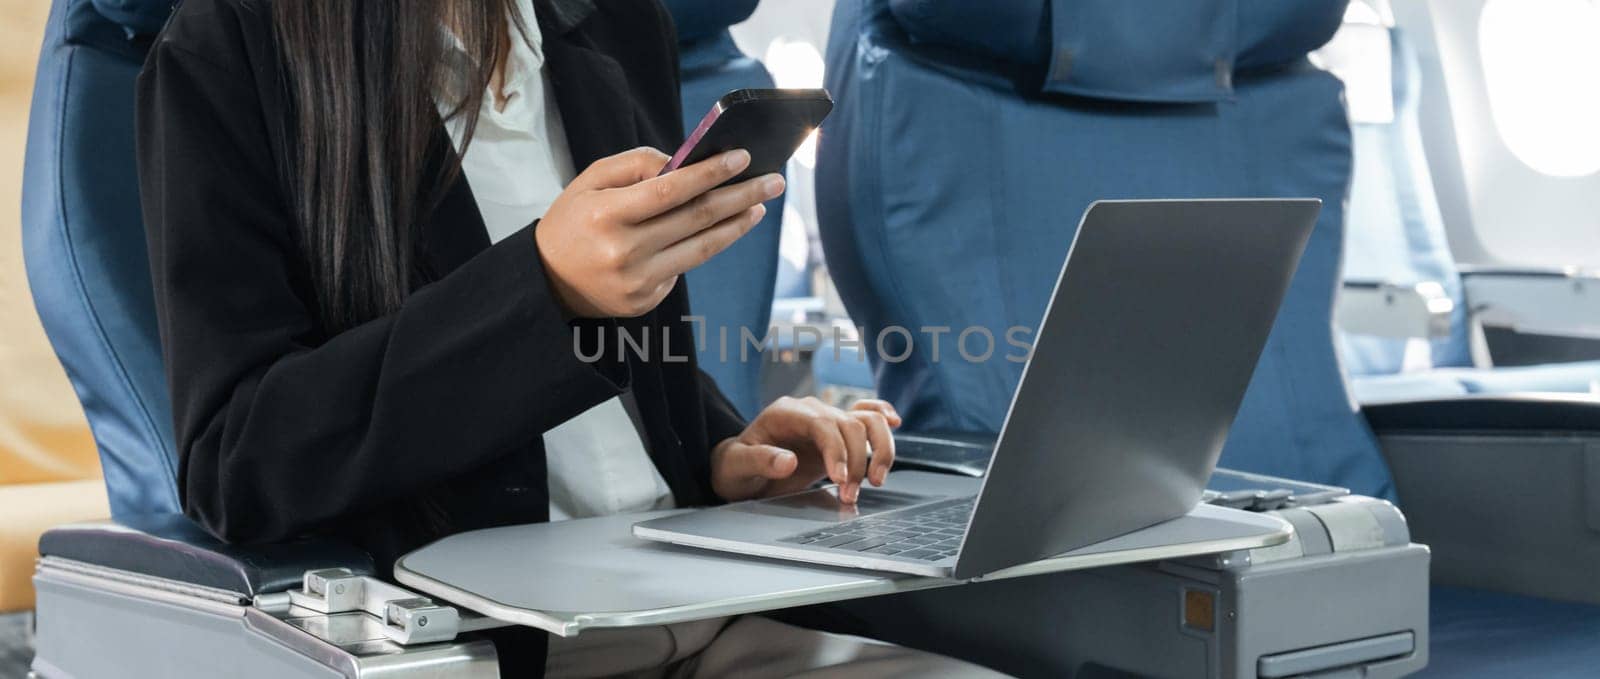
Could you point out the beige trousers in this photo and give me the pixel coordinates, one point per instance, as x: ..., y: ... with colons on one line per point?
x: 745, y: 646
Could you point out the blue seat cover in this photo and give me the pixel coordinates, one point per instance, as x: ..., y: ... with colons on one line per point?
x: 1480, y: 634
x: 1185, y: 52
x: 949, y: 190
x: 84, y: 243
x: 734, y: 290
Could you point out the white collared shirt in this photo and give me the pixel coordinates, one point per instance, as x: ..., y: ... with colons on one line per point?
x: 517, y: 163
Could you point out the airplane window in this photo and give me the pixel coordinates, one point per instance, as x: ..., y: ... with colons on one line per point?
x: 1539, y: 57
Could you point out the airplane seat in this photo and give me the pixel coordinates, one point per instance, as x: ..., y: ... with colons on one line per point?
x: 1397, y: 235
x: 966, y: 144
x: 735, y: 290
x: 1394, y: 233
x: 86, y: 53
x: 949, y: 180
x: 1396, y: 238
x: 149, y: 593
x: 1501, y: 488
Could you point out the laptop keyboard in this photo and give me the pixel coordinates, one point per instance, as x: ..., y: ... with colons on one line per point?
x: 929, y: 532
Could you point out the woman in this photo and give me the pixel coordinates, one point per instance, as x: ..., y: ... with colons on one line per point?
x: 372, y: 254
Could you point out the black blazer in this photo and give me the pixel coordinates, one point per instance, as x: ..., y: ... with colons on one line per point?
x: 426, y: 421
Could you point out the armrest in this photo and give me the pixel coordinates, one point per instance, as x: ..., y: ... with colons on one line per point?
x: 1394, y: 310
x: 172, y: 547
x: 1504, y: 489
x: 1512, y: 414
x: 1549, y: 301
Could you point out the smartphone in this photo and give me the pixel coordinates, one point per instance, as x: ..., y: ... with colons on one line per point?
x: 769, y: 123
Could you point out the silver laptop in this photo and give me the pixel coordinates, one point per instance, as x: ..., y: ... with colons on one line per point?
x: 1139, y: 365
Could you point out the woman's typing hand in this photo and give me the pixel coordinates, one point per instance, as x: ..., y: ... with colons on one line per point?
x: 795, y: 442
x: 616, y: 240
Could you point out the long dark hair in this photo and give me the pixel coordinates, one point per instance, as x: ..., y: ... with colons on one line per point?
x: 363, y: 77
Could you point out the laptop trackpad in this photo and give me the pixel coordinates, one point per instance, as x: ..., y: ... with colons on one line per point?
x: 823, y: 504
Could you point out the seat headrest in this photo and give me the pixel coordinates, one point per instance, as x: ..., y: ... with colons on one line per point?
x: 698, y: 19
x: 1017, y: 31
x: 1181, y: 51
x: 138, y: 17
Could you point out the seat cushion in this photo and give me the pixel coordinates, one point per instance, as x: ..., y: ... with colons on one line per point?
x: 1578, y: 377
x: 26, y: 511
x: 1562, y: 378
x: 1487, y: 634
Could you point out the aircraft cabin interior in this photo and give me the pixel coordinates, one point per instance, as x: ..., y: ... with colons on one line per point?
x: 1183, y: 339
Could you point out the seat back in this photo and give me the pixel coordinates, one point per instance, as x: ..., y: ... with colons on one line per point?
x: 84, y: 242
x: 967, y: 141
x: 1394, y: 232
x: 733, y: 291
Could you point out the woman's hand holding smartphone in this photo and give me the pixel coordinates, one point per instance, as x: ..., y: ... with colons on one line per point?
x: 616, y: 240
